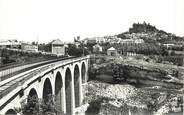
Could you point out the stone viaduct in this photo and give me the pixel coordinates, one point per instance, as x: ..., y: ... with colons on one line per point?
x: 64, y: 79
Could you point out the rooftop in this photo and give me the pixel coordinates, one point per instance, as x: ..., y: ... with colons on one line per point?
x: 111, y: 49
x: 56, y: 41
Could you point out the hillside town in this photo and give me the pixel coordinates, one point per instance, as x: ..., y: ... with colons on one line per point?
x: 137, y: 72
x: 141, y: 39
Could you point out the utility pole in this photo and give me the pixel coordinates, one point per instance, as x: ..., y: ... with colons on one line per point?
x: 82, y: 48
x: 78, y: 40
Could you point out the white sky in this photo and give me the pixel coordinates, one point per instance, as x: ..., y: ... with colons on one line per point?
x: 45, y: 20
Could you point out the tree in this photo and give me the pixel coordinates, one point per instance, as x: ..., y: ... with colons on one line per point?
x: 74, y: 51
x: 36, y: 106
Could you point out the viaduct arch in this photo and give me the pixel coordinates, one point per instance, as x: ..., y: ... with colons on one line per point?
x: 83, y: 72
x: 68, y: 91
x: 10, y: 112
x: 58, y: 92
x: 47, y: 90
x: 77, y: 85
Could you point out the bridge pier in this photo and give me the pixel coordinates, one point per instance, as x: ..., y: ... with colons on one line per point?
x: 63, y: 104
x: 72, y: 94
x: 80, y: 90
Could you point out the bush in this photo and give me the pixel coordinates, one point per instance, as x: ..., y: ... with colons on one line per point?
x: 35, y: 106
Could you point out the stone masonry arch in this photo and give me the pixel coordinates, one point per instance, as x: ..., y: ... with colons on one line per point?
x: 83, y: 72
x: 10, y: 112
x: 68, y: 91
x: 77, y: 85
x: 47, y: 90
x: 59, y: 92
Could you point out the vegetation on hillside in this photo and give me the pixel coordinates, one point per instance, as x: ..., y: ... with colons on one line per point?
x: 150, y: 34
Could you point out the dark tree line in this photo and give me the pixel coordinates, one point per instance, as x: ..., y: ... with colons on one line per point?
x: 73, y: 50
x: 143, y: 48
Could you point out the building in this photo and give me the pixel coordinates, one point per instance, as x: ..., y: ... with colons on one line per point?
x: 77, y: 43
x: 112, y: 52
x: 91, y: 41
x: 97, y: 48
x: 168, y: 45
x: 94, y: 40
x: 131, y: 41
x: 131, y: 54
x: 172, y: 45
x: 56, y: 47
x: 139, y: 41
x: 100, y: 40
x: 29, y: 47
x: 13, y: 44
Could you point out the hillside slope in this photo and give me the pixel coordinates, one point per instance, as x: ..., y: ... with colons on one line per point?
x: 150, y: 34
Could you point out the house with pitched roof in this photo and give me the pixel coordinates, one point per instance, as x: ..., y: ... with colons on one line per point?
x: 112, y: 51
x: 56, y: 47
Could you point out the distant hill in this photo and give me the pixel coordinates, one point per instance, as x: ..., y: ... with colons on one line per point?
x: 150, y: 34
x: 145, y: 31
